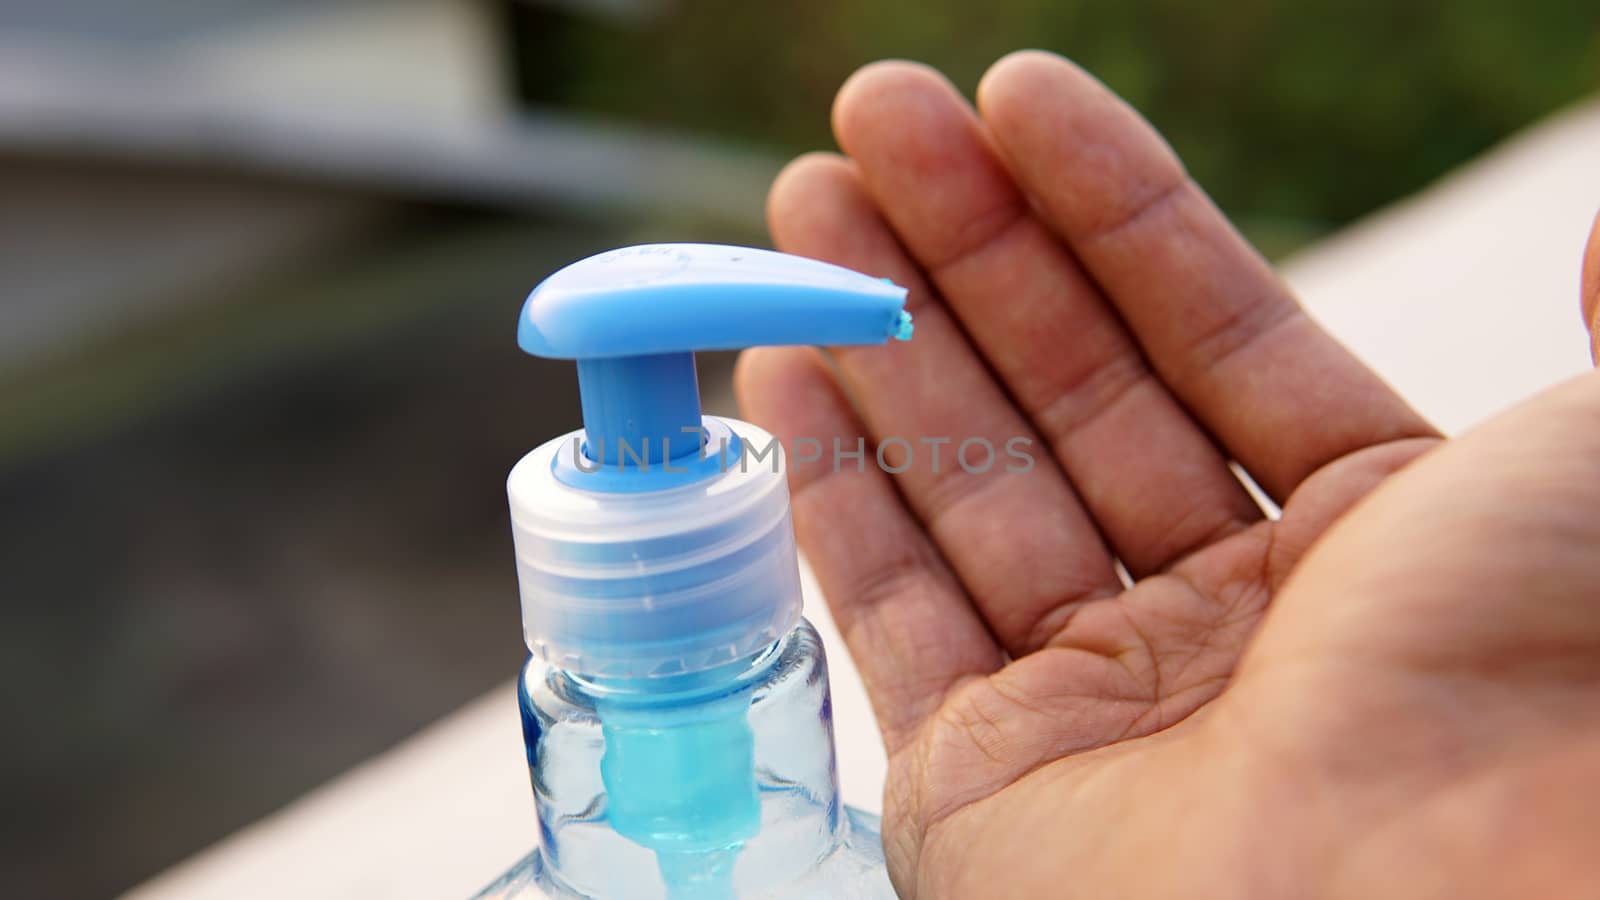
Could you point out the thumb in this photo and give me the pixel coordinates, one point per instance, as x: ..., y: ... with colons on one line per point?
x: 1591, y: 289
x: 1498, y: 569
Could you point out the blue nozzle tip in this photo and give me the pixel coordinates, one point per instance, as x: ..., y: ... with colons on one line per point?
x: 902, y: 328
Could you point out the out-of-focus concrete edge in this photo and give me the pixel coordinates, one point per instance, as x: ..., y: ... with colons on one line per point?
x: 433, y: 817
x: 1465, y: 296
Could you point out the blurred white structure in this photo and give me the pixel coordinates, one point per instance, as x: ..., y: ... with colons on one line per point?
x: 227, y: 129
x: 1464, y: 297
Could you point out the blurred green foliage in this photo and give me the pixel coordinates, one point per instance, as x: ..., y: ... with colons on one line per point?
x: 1297, y: 116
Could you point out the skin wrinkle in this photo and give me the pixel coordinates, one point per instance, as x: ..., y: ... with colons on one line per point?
x: 1153, y: 714
x: 1136, y: 216
x: 891, y: 578
x: 1208, y: 625
x: 1148, y: 719
x: 1373, y: 464
x: 1097, y: 336
x: 1225, y: 526
x: 1104, y: 386
x: 1146, y: 650
x: 1341, y: 442
x: 941, y: 499
x: 1012, y: 220
x: 1020, y: 221
x: 960, y: 711
x: 1066, y: 594
x: 981, y: 730
x: 1067, y: 585
x: 924, y: 102
x: 1055, y: 619
x: 1139, y: 193
x: 1198, y: 650
x: 1154, y: 720
x: 1237, y: 332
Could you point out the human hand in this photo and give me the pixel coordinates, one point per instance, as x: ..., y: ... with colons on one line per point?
x: 1393, y: 689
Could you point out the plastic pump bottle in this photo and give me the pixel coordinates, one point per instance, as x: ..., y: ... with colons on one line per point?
x: 675, y: 705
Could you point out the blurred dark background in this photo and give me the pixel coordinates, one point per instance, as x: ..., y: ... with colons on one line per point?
x: 259, y: 265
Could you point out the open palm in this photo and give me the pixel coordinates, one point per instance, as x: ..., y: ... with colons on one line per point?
x: 1406, y: 701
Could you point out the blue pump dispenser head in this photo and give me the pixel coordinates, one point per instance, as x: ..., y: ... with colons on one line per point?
x: 648, y: 545
x: 653, y: 556
x: 633, y: 318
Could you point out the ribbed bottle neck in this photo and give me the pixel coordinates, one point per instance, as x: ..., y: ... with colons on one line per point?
x: 682, y: 687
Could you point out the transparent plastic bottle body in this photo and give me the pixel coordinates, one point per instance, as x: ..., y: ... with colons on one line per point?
x: 808, y: 845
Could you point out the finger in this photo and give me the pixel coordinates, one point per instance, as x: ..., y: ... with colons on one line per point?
x: 1222, y: 331
x: 1016, y: 537
x: 1591, y: 289
x: 902, y: 613
x: 1154, y: 483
